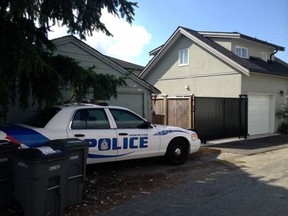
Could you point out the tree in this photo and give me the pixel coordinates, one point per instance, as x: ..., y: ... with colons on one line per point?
x: 27, y: 64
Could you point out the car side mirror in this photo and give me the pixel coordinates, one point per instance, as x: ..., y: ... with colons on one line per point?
x: 145, y: 125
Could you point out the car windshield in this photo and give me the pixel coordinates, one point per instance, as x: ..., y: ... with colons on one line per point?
x: 42, y: 117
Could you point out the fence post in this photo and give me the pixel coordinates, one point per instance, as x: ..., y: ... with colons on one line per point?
x: 244, y: 115
x: 165, y: 107
x: 191, y: 111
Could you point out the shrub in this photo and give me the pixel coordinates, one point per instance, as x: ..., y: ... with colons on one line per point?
x: 282, y: 114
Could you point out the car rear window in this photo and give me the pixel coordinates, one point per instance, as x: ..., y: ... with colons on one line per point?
x: 42, y: 117
x: 90, y: 119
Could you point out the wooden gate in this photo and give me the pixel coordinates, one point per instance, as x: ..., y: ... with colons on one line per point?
x: 177, y: 111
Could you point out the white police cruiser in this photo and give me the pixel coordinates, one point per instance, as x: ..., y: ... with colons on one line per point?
x: 114, y: 133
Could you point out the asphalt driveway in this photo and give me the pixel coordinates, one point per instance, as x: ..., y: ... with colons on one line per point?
x: 207, y: 184
x: 242, y: 185
x: 250, y: 145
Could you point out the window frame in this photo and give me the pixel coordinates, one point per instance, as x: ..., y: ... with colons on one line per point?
x: 133, y: 122
x: 264, y: 56
x: 181, y: 57
x: 241, y: 50
x: 90, y: 124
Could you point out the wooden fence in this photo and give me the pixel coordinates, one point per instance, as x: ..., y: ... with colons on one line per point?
x: 177, y: 111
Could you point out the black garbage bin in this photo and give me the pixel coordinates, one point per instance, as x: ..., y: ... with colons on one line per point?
x: 40, y: 180
x: 76, y: 167
x: 6, y: 174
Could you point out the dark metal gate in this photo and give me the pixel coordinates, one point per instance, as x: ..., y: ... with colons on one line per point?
x: 216, y: 118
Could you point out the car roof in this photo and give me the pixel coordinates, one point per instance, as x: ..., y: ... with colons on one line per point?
x: 87, y: 105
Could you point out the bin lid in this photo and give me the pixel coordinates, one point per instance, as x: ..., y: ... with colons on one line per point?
x: 41, y: 153
x: 7, y: 146
x: 67, y: 143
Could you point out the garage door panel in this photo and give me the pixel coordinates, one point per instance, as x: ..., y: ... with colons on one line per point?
x: 258, y: 114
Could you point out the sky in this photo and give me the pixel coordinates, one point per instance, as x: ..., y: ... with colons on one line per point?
x: 156, y: 20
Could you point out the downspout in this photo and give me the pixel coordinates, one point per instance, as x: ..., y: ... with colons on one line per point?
x: 273, y: 54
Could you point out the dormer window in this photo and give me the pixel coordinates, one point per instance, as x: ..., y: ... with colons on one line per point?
x: 241, y: 52
x: 183, y: 57
x: 264, y: 56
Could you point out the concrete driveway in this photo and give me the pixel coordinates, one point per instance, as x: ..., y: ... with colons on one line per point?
x: 252, y: 145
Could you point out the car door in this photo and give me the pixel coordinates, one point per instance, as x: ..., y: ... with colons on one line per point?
x: 135, y: 136
x: 93, y: 126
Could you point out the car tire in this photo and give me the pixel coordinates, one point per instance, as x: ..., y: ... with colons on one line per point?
x: 177, y: 152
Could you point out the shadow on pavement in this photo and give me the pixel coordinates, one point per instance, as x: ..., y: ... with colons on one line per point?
x: 254, y: 145
x: 108, y: 185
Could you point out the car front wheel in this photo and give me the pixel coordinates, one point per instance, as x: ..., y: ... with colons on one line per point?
x: 177, y: 152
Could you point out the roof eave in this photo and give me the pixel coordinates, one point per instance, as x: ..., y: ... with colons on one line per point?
x: 239, y: 35
x: 106, y: 60
x: 160, y: 52
x: 215, y: 52
x: 181, y: 31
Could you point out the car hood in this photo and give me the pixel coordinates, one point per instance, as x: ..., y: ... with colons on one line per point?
x: 164, y: 129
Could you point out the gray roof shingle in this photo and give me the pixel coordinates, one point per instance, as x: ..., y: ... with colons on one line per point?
x: 127, y: 65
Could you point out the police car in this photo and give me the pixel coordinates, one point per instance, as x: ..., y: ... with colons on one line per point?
x: 114, y: 133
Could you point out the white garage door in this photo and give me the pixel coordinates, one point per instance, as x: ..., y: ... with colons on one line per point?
x: 133, y: 101
x: 258, y: 114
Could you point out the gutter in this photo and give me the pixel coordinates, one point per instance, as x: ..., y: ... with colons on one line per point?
x: 273, y: 54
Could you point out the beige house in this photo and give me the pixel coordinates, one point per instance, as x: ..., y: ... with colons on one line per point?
x: 135, y: 96
x: 222, y: 64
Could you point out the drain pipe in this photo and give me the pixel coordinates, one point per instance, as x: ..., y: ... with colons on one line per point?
x: 273, y: 54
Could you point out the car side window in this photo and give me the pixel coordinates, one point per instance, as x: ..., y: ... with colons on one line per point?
x: 126, y: 119
x: 90, y: 119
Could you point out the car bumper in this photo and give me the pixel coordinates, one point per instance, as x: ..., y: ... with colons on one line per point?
x: 195, y: 145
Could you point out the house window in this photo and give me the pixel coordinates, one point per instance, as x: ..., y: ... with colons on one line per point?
x: 264, y: 56
x: 241, y: 51
x: 183, y: 56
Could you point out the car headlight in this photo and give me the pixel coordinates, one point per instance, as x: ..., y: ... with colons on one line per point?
x: 194, y: 136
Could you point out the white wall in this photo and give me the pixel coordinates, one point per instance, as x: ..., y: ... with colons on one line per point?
x: 205, y: 75
x: 267, y: 85
x: 254, y: 49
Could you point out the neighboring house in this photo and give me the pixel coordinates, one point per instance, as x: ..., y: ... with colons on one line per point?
x: 222, y: 64
x: 135, y: 96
